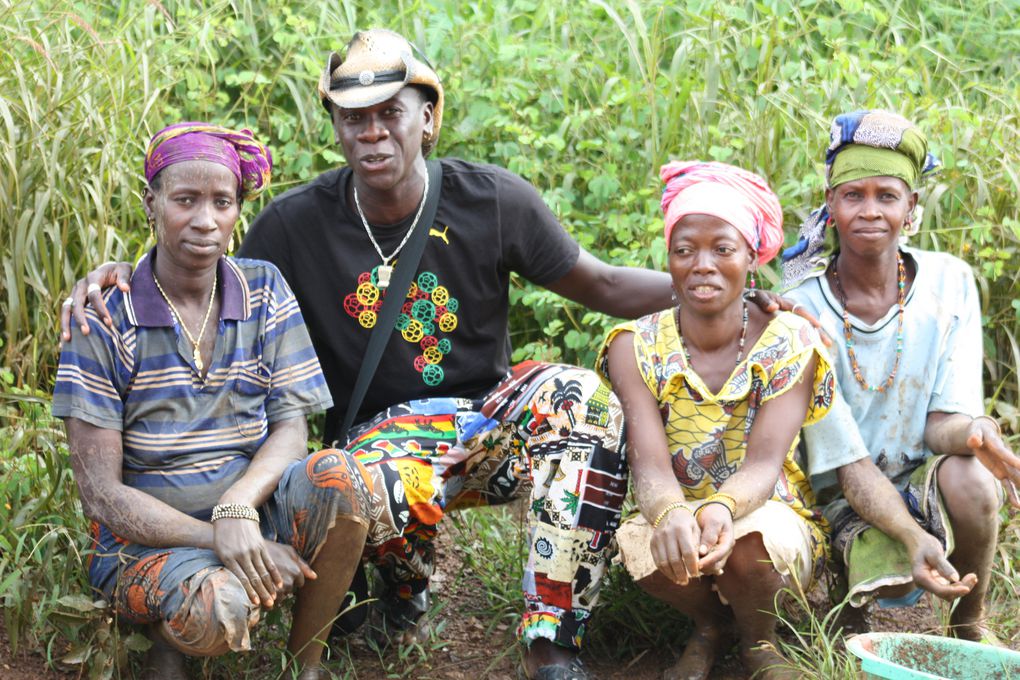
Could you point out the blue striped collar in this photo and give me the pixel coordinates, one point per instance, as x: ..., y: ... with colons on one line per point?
x: 146, y: 306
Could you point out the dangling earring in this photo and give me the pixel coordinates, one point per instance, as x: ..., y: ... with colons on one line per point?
x: 912, y: 223
x: 230, y: 245
x: 752, y: 285
x: 152, y: 225
x: 672, y: 291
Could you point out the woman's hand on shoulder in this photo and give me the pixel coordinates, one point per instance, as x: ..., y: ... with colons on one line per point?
x: 716, y: 544
x: 90, y: 290
x: 674, y: 546
x: 242, y: 549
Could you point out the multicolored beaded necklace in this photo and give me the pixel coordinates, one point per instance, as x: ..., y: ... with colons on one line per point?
x: 901, y: 297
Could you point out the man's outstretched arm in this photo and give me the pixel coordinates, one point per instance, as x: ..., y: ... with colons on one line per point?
x: 632, y: 292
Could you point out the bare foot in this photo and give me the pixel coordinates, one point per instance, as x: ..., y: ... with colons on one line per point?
x: 763, y: 662
x: 162, y: 662
x: 417, y: 634
x: 707, y: 642
x: 975, y: 632
x: 969, y: 623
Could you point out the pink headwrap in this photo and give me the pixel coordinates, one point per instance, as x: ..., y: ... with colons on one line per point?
x: 736, y: 196
x: 238, y: 151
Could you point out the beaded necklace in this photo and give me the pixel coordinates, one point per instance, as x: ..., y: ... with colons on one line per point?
x: 901, y: 296
x: 740, y: 347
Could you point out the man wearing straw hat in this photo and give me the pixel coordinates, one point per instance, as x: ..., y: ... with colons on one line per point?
x: 447, y: 422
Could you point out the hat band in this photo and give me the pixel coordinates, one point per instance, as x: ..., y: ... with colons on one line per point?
x: 366, y: 78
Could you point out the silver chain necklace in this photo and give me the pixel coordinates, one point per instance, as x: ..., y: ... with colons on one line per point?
x: 385, y: 270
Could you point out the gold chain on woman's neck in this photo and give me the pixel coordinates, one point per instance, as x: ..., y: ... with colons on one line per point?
x: 195, y: 343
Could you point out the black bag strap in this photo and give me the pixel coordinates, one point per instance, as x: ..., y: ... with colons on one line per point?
x: 407, y: 265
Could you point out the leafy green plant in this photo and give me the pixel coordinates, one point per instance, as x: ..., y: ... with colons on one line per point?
x: 812, y: 642
x: 42, y: 533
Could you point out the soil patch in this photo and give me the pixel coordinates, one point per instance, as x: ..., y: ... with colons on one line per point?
x: 469, y: 645
x: 24, y: 665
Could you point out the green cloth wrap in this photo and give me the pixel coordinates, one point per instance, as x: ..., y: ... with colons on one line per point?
x: 859, y: 162
x: 874, y: 560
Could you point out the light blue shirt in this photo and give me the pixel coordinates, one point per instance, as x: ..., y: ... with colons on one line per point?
x: 939, y: 370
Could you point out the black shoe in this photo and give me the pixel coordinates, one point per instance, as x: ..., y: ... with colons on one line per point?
x: 395, y: 619
x: 574, y: 671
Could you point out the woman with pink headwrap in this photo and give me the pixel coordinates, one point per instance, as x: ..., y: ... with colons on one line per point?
x: 714, y: 392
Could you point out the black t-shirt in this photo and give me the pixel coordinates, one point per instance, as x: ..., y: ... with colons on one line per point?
x: 451, y: 339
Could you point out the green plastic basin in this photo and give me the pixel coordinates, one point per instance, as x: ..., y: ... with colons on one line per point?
x: 905, y: 656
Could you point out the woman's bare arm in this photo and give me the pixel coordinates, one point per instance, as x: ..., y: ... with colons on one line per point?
x: 960, y: 435
x: 876, y: 500
x: 238, y: 542
x: 655, y: 485
x: 97, y: 458
x: 675, y: 542
x: 777, y: 423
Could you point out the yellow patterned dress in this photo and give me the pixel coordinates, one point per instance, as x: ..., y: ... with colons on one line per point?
x: 708, y: 433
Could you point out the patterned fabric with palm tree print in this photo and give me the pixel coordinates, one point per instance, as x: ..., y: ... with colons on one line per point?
x: 547, y: 430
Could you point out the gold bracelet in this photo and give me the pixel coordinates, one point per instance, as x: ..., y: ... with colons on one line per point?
x: 697, y: 511
x: 726, y: 499
x: 234, y: 511
x: 723, y: 499
x: 668, y: 509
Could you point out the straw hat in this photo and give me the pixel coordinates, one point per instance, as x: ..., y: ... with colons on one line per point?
x: 377, y: 65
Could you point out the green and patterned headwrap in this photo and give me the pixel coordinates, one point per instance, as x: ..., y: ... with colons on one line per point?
x: 861, y: 144
x: 876, y: 143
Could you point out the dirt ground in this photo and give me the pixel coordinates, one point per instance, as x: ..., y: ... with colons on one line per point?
x: 471, y: 652
x: 24, y: 665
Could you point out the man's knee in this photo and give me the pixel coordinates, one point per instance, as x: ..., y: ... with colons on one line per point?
x: 346, y: 477
x: 214, y: 618
x: 970, y: 492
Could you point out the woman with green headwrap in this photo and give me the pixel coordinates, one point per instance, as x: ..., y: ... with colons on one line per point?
x: 915, y: 457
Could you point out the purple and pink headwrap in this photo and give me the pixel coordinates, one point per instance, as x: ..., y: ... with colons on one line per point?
x: 238, y: 151
x: 736, y: 196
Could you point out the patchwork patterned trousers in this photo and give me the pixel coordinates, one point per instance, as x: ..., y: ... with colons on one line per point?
x: 549, y: 430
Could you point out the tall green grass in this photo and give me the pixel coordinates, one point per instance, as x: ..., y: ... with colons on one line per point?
x: 585, y: 99
x: 586, y: 104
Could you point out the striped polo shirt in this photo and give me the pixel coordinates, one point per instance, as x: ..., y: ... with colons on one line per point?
x: 185, y: 440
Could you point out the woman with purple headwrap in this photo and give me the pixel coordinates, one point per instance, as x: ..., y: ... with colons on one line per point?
x: 714, y: 392
x: 186, y: 423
